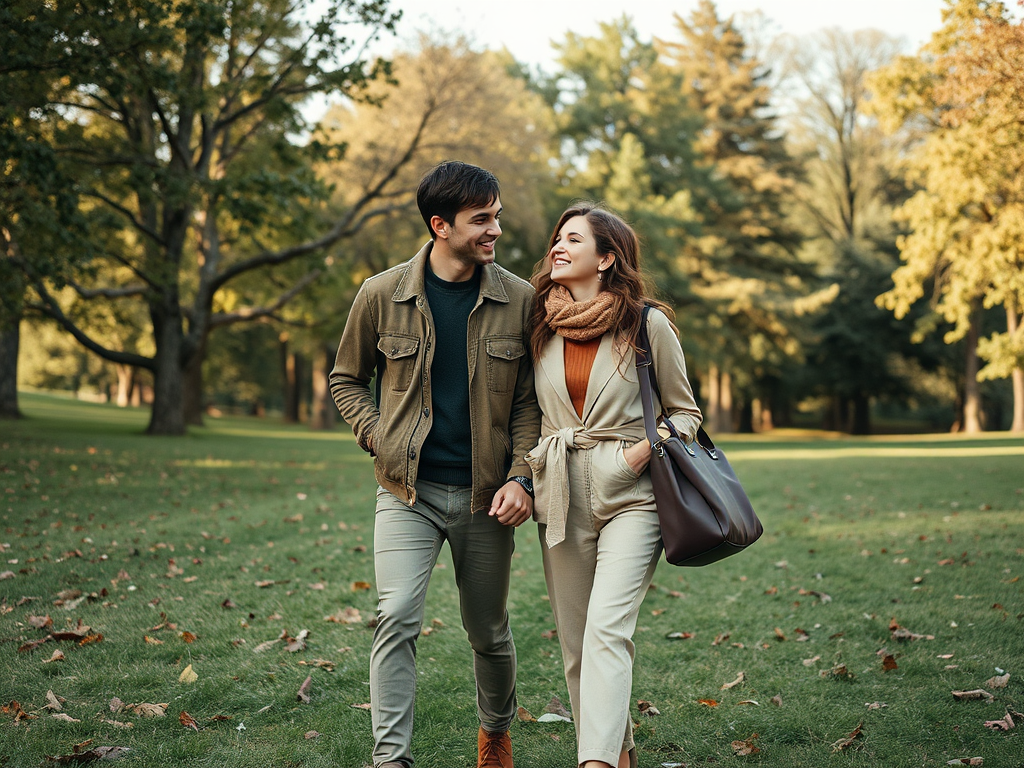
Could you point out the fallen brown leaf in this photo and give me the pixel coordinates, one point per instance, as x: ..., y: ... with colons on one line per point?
x: 149, y: 710
x: 297, y: 643
x: 53, y: 702
x: 967, y: 761
x: 347, y: 615
x: 1005, y: 724
x: 550, y: 634
x: 739, y: 679
x: 524, y: 716
x: 998, y: 682
x: 720, y: 638
x: 361, y: 706
x: 976, y: 694
x: 875, y: 705
x: 311, y: 735
x: 777, y: 700
x: 889, y: 663
x: 117, y: 723
x: 40, y: 622
x: 303, y: 694
x: 187, y: 637
x: 188, y: 675
x: 188, y: 721
x: 98, y: 753
x: 679, y: 635
x: 65, y: 717
x: 708, y: 702
x: 555, y: 707
x: 58, y: 655
x: 811, y: 661
x: 745, y: 747
x: 841, y: 744
x: 358, y: 586
x: 646, y: 708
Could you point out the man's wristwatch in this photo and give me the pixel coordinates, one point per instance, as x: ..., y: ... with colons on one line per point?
x: 526, y: 482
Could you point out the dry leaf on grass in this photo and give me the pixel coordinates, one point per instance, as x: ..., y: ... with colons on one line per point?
x: 707, y: 702
x: 889, y: 663
x: 360, y: 706
x: 311, y: 735
x: 99, y: 753
x: 148, y: 710
x: 321, y: 663
x: 1005, y: 724
x: 358, y: 586
x: 550, y: 634
x: 745, y: 747
x: 875, y: 705
x: 739, y: 679
x: 845, y: 742
x: 188, y: 721
x: 116, y: 705
x: 303, y: 694
x: 347, y: 615
x: 903, y: 635
x: 14, y: 708
x: 720, y: 638
x: 152, y: 640
x: 556, y: 708
x: 679, y: 635
x: 646, y: 708
x: 998, y: 682
x: 187, y: 637
x: 117, y: 723
x: 58, y: 655
x: 53, y: 702
x: 524, y: 716
x: 65, y: 717
x: 974, y: 695
x: 297, y: 643
x: 188, y: 675
x: 777, y: 700
x: 967, y: 761
x: 811, y: 661
x: 40, y: 622
x: 748, y: 701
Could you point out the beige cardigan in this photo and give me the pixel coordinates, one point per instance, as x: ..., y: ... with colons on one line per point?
x: 613, y: 418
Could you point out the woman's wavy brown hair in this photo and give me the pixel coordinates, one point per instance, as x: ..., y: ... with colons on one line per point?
x: 624, y: 277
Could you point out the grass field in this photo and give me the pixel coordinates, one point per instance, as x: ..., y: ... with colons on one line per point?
x: 194, y: 552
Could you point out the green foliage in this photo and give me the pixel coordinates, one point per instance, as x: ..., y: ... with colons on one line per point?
x: 916, y: 531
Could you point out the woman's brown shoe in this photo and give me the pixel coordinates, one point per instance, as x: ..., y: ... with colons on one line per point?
x: 494, y: 750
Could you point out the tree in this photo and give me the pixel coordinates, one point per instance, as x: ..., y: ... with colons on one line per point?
x: 445, y: 100
x: 748, y: 271
x: 966, y: 219
x: 182, y: 120
x: 845, y: 199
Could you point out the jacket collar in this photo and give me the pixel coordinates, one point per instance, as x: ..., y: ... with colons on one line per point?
x: 413, y: 283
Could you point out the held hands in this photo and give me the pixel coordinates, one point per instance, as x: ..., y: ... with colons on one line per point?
x: 512, y: 505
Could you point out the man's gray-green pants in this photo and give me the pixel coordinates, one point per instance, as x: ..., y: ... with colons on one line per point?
x: 406, y: 543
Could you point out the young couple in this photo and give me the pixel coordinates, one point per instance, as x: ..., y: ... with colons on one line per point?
x: 490, y: 390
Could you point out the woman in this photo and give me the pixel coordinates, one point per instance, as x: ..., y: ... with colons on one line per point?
x: 599, y: 529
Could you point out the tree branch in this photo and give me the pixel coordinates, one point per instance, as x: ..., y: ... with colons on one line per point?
x: 344, y: 228
x: 128, y: 214
x: 253, y: 313
x: 51, y: 308
x: 108, y: 293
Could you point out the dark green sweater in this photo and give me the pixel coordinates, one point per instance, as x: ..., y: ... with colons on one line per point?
x: 446, y: 456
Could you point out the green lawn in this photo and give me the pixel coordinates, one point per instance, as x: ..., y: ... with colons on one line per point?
x: 170, y: 538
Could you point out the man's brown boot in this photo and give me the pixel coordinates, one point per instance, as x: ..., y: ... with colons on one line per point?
x: 494, y: 750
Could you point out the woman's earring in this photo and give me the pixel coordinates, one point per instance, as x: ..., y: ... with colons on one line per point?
x: 600, y: 276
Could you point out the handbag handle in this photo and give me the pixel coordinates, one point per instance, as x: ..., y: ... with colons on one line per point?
x: 648, y: 383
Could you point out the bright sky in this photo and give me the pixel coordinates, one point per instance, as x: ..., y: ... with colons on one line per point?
x: 527, y: 27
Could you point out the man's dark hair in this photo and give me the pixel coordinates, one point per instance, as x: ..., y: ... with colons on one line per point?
x: 453, y: 186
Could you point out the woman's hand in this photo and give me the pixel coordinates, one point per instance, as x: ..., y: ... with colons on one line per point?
x: 638, y: 455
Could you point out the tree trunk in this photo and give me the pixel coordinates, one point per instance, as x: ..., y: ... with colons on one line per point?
x: 1017, y: 377
x: 125, y: 384
x: 972, y: 393
x: 861, y: 415
x: 324, y: 410
x: 10, y: 339
x: 725, y: 398
x: 714, y: 404
x: 746, y: 425
x: 168, y: 414
x: 194, y: 405
x: 291, y: 362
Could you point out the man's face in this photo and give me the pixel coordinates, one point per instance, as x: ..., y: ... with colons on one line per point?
x: 471, y: 239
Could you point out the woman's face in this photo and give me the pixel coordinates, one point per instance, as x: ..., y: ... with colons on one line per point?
x: 575, y: 262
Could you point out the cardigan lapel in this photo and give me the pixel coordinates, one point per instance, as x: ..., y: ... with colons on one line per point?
x: 552, y: 363
x: 606, y: 365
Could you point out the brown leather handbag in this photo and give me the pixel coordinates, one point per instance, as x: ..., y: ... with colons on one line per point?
x: 704, y: 512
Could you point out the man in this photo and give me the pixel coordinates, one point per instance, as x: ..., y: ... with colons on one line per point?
x: 454, y: 414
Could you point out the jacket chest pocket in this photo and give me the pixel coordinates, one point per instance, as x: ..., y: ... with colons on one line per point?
x: 504, y: 354
x: 400, y: 366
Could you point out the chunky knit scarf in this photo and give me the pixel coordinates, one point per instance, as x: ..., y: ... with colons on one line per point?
x: 579, y: 320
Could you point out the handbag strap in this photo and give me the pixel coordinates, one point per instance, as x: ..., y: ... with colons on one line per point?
x: 649, y: 384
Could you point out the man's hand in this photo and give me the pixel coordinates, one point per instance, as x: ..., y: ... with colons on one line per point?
x: 512, y: 505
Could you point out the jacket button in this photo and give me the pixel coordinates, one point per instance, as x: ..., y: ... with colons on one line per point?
x: 412, y: 453
x: 426, y: 411
x: 508, y: 353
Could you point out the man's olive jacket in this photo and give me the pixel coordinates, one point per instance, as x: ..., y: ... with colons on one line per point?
x: 390, y: 331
